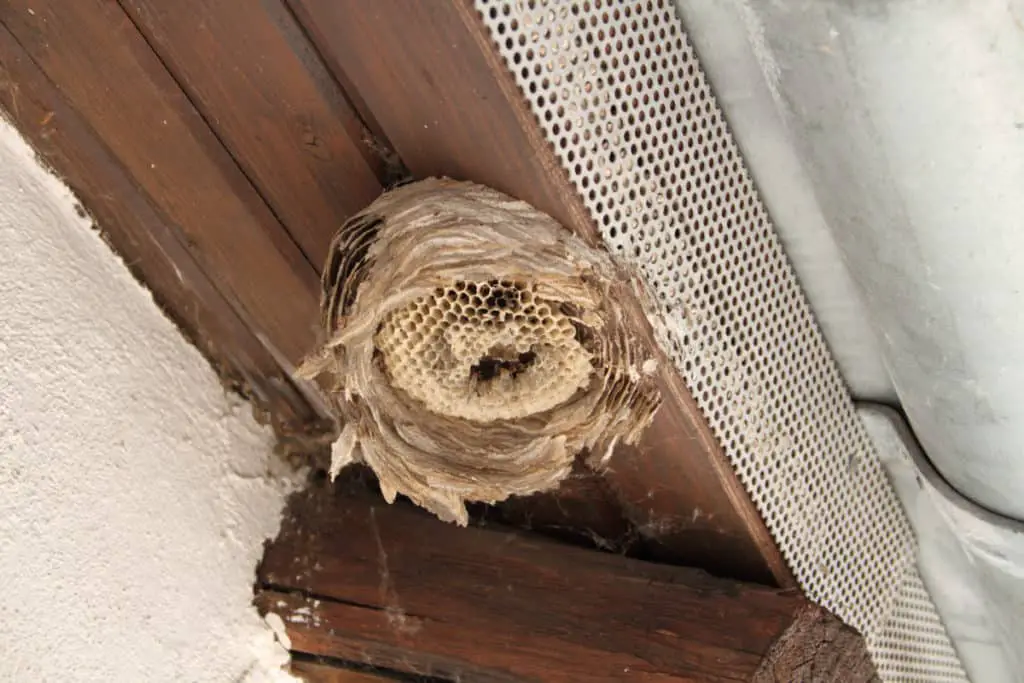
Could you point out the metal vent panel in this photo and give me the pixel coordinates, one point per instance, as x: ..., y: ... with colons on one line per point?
x: 619, y: 92
x: 913, y: 645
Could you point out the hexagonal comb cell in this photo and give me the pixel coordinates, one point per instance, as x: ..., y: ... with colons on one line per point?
x: 484, y: 351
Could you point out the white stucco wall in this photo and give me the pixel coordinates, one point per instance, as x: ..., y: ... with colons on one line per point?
x: 134, y: 494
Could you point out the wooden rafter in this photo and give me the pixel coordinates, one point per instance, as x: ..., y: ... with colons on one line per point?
x: 354, y: 578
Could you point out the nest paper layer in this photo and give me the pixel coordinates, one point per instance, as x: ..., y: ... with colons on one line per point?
x: 475, y: 347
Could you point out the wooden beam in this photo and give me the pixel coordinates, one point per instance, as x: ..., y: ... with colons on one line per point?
x: 109, y: 76
x: 582, y: 511
x: 438, y: 89
x: 356, y: 579
x: 151, y: 244
x: 323, y: 672
x: 258, y: 83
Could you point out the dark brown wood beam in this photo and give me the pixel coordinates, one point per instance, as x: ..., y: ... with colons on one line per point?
x: 106, y: 71
x: 325, y: 672
x: 387, y: 585
x: 583, y: 511
x: 259, y: 84
x: 151, y: 243
x: 440, y: 92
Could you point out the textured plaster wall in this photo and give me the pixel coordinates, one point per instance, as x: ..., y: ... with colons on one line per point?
x: 134, y: 494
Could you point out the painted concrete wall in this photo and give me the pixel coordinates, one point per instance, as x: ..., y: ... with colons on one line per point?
x: 134, y: 494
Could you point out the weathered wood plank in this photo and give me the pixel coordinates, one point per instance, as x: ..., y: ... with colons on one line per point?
x: 817, y: 648
x: 257, y: 81
x: 153, y: 247
x: 357, y: 579
x: 110, y: 76
x: 440, y: 92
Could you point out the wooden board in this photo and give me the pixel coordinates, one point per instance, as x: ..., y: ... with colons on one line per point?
x: 582, y: 511
x: 108, y: 74
x: 259, y: 85
x: 151, y: 244
x: 323, y: 672
x: 440, y: 92
x: 388, y: 585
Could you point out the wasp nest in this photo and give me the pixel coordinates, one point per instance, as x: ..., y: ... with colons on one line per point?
x: 475, y: 347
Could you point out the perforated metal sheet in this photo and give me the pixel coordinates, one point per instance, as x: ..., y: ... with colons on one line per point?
x: 913, y: 645
x: 621, y: 96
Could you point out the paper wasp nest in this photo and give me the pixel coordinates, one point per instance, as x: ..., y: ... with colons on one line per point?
x: 475, y: 347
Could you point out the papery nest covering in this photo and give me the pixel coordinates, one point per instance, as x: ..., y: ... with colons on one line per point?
x: 475, y: 347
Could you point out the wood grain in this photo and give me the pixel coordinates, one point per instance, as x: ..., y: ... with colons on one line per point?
x: 108, y: 74
x: 356, y: 579
x: 259, y: 84
x: 582, y: 511
x: 817, y: 648
x: 151, y: 245
x: 319, y: 672
x: 441, y: 94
